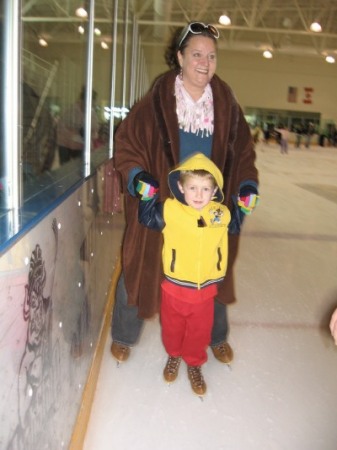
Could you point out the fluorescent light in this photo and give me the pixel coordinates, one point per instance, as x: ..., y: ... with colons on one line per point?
x: 43, y: 42
x: 267, y: 54
x: 330, y: 59
x: 81, y: 12
x: 316, y: 27
x: 224, y: 20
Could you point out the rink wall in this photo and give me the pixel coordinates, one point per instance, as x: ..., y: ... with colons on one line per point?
x: 57, y: 288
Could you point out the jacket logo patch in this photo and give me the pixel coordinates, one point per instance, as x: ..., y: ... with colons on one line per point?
x: 216, y: 214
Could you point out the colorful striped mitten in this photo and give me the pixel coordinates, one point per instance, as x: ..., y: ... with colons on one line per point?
x: 248, y: 202
x: 146, y: 186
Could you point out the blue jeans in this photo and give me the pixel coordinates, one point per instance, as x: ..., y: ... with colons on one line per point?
x: 126, y: 326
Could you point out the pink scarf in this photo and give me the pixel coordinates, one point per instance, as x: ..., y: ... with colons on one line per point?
x: 194, y: 117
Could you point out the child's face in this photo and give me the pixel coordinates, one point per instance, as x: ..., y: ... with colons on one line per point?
x: 198, y: 191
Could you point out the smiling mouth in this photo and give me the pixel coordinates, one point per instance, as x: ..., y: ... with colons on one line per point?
x: 203, y: 71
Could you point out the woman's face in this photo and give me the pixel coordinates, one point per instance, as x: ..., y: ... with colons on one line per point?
x: 198, y: 62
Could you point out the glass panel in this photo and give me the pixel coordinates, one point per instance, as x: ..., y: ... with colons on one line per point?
x: 128, y: 58
x: 53, y: 80
x: 2, y: 115
x: 53, y: 74
x: 119, y: 112
x: 102, y: 67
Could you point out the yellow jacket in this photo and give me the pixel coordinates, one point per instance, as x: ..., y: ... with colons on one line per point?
x: 195, y: 247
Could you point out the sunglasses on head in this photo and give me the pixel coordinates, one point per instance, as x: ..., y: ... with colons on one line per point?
x: 198, y: 28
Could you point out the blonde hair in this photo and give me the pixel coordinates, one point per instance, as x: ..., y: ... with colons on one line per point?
x: 184, y: 174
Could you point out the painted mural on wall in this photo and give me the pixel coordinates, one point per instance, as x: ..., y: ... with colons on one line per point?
x: 37, y: 391
x: 53, y: 289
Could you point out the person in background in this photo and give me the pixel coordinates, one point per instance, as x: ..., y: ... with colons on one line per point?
x: 194, y: 225
x: 284, y: 136
x: 333, y: 325
x: 256, y: 132
x: 266, y: 133
x: 309, y: 132
x: 70, y: 128
x: 298, y: 132
x: 188, y: 107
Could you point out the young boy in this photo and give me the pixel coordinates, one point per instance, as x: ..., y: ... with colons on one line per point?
x: 194, y: 225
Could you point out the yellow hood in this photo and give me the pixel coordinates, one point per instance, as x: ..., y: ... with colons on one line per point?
x: 196, y: 162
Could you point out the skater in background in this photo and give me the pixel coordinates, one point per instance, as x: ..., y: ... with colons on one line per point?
x: 189, y: 108
x: 333, y: 325
x: 194, y: 225
x: 298, y: 132
x: 284, y: 136
x: 266, y: 133
x: 256, y: 133
x: 309, y: 132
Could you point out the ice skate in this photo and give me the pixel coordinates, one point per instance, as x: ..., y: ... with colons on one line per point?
x: 120, y: 352
x: 198, y: 384
x: 171, y: 369
x: 223, y: 353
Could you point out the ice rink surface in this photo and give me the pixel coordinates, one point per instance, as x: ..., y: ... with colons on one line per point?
x: 281, y: 390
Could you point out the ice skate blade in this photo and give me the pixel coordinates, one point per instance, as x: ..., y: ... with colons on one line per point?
x: 200, y: 396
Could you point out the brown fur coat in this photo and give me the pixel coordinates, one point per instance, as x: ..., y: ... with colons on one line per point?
x: 149, y: 138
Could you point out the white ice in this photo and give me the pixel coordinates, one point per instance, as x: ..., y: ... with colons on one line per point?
x: 281, y: 390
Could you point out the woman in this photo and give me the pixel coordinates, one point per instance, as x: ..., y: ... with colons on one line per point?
x: 189, y: 109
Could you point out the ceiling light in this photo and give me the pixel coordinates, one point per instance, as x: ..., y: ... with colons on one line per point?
x: 81, y: 12
x: 287, y: 23
x: 330, y: 59
x: 104, y: 45
x: 43, y: 42
x: 97, y: 32
x: 267, y: 54
x: 224, y: 19
x: 316, y: 27
x: 81, y: 29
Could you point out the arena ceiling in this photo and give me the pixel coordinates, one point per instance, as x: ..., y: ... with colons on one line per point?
x: 283, y: 26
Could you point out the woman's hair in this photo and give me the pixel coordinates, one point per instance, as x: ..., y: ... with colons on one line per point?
x: 171, y: 58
